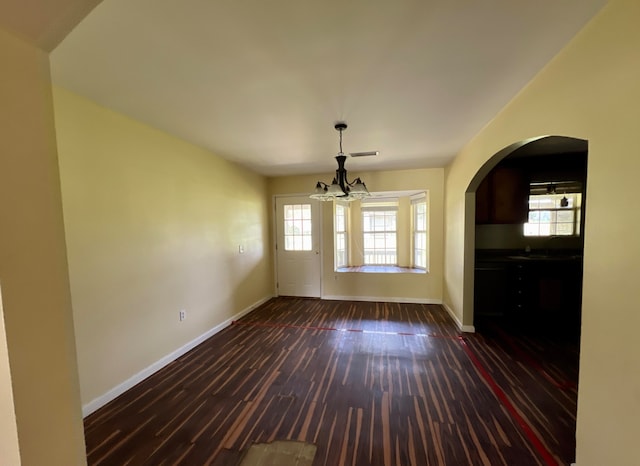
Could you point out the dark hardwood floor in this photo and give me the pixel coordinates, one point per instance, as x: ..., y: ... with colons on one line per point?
x: 367, y: 383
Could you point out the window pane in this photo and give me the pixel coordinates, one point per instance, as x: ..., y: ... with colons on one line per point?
x: 340, y: 244
x: 391, y: 240
x: 545, y: 229
x: 306, y: 228
x: 420, y: 234
x: 366, y: 221
x: 564, y: 229
x: 288, y: 228
x: 288, y: 211
x: 420, y: 258
x: 297, y: 227
x: 390, y: 223
x: 547, y: 216
x: 565, y: 216
x: 379, y: 237
x: 368, y: 241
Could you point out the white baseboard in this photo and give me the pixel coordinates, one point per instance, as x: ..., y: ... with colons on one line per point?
x: 463, y: 328
x: 382, y: 299
x: 102, y: 400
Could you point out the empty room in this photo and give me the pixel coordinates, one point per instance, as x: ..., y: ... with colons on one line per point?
x: 331, y: 233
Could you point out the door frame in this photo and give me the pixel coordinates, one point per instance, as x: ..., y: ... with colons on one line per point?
x: 274, y: 235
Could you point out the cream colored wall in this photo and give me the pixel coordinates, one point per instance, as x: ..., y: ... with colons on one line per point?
x: 589, y: 91
x: 153, y: 226
x: 416, y: 287
x: 33, y: 270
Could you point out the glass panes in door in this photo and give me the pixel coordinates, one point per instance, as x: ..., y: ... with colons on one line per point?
x: 297, y: 227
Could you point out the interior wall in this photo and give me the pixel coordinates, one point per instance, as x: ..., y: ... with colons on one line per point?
x: 590, y: 91
x: 36, y: 303
x: 412, y: 287
x: 153, y: 226
x: 9, y: 447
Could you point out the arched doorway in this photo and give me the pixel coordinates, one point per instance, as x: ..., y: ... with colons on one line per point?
x: 497, y: 225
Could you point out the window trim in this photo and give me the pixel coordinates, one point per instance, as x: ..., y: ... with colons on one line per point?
x: 345, y: 233
x: 416, y: 201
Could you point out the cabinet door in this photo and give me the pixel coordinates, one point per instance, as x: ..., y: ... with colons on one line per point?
x: 491, y: 295
x: 510, y: 196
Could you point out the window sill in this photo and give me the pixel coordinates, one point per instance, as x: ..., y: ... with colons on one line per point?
x: 380, y: 269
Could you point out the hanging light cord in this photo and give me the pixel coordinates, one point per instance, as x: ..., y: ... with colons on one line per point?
x: 341, y: 141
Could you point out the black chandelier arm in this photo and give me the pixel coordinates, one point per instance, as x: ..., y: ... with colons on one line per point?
x: 354, y: 182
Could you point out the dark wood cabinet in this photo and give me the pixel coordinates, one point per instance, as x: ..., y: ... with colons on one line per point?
x: 491, y: 297
x: 502, y: 197
x: 545, y: 293
x: 556, y: 292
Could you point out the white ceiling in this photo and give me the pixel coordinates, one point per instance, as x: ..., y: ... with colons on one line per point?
x: 262, y: 83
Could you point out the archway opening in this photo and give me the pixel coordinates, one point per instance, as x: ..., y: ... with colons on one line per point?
x: 525, y: 218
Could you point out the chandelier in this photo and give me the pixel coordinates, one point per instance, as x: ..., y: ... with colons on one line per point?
x: 340, y: 189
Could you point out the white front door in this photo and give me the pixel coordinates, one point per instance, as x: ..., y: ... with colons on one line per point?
x: 298, y: 246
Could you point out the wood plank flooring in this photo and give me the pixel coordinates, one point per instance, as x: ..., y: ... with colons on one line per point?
x: 367, y: 383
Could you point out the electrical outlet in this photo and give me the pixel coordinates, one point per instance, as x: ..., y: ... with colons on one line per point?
x: 241, y: 249
x: 182, y: 315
